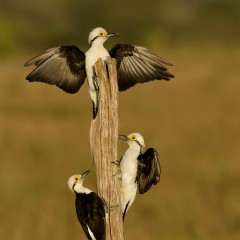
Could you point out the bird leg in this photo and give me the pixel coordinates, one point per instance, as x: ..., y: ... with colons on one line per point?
x: 95, y: 105
x: 141, y: 165
x: 117, y: 163
x: 95, y: 81
x: 108, y: 208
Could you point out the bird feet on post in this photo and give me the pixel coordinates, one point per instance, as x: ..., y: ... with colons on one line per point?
x: 103, y: 144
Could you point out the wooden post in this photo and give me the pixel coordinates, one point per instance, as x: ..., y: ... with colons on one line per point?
x: 103, y: 144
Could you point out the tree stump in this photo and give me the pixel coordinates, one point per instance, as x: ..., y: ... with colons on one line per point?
x: 103, y: 144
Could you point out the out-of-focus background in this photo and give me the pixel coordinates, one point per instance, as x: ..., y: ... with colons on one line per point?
x: 192, y: 120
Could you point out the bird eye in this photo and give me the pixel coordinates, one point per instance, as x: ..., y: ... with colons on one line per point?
x: 133, y: 138
x: 76, y: 179
x: 101, y: 34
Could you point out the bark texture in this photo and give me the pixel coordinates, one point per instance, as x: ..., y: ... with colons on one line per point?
x: 103, y: 144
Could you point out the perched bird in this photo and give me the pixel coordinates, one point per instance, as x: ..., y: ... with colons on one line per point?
x: 67, y: 66
x: 137, y: 170
x: 89, y: 208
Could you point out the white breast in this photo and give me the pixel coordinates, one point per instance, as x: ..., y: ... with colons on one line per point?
x: 92, y: 55
x: 128, y: 167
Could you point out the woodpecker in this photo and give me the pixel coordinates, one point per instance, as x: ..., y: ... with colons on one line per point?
x: 137, y: 170
x: 67, y: 66
x: 89, y: 208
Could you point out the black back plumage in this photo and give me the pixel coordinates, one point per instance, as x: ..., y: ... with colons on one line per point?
x: 91, y: 214
x: 149, y: 170
x: 62, y: 66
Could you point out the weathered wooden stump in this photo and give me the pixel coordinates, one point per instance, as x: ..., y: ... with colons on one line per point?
x: 103, y: 144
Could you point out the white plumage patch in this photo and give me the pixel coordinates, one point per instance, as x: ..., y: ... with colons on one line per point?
x: 128, y: 167
x: 91, y: 233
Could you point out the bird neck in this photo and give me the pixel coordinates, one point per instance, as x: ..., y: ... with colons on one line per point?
x: 81, y: 189
x: 135, y: 148
x: 97, y: 43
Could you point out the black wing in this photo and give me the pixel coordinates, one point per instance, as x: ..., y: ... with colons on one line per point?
x: 62, y: 66
x: 137, y: 65
x: 91, y: 214
x: 149, y: 170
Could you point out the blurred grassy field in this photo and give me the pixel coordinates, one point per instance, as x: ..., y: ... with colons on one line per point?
x: 193, y: 120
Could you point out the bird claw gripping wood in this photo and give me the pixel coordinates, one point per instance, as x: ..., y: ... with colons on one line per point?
x: 95, y: 82
x: 108, y: 208
x: 117, y: 163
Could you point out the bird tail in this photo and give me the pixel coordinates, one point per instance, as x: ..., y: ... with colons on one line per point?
x: 125, y: 211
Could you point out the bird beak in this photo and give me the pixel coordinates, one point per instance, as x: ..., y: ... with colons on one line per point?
x: 85, y: 173
x: 123, y: 137
x: 112, y: 34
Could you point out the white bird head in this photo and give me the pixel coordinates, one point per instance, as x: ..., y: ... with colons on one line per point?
x: 133, y: 139
x: 99, y: 35
x: 75, y: 182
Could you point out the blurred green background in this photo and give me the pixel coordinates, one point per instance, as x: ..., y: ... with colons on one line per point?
x: 193, y: 120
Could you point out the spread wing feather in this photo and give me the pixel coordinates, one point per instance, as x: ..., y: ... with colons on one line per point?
x: 149, y: 170
x: 61, y: 66
x: 137, y: 65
